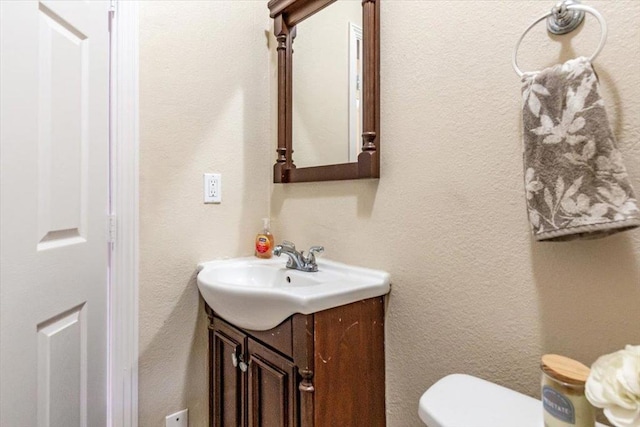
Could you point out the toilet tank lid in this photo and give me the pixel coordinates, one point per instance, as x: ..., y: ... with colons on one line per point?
x: 460, y: 400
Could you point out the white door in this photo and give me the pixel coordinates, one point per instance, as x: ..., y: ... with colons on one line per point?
x: 54, y: 189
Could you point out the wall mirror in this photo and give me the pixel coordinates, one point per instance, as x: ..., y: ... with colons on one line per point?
x: 328, y: 91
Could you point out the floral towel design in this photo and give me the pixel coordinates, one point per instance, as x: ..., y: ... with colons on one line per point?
x: 576, y: 184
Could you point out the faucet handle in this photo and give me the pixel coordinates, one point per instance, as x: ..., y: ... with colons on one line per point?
x: 313, y: 251
x: 316, y: 250
x: 289, y: 245
x: 277, y: 250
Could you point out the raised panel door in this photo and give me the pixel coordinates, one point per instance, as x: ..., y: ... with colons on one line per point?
x: 228, y: 380
x: 272, y: 388
x: 54, y: 199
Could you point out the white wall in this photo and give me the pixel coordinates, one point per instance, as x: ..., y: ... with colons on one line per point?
x: 471, y: 291
x: 203, y: 108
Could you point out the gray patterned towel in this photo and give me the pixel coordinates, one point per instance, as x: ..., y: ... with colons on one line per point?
x: 576, y: 184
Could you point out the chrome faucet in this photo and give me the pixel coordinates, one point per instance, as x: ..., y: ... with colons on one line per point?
x: 298, y: 260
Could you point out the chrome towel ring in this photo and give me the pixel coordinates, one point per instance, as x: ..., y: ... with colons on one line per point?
x: 555, y: 12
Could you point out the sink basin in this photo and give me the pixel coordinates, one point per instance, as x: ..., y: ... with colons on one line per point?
x: 259, y: 294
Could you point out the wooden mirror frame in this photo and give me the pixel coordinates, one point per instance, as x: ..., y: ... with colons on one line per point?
x: 286, y: 15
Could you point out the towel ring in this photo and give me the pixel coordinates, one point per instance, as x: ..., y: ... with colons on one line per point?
x: 579, y: 7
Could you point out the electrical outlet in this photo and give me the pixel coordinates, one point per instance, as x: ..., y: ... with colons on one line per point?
x: 179, y: 419
x: 212, y: 188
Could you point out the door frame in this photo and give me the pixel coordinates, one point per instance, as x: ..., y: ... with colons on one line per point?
x: 122, y: 403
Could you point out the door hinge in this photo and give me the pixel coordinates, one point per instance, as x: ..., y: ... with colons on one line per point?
x: 112, y: 12
x: 112, y: 224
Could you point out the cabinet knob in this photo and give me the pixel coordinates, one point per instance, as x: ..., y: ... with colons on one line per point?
x: 234, y: 360
x: 238, y: 361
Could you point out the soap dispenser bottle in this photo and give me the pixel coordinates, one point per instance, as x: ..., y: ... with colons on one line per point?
x: 264, y: 241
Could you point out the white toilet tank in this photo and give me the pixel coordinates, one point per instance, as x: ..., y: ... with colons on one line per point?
x: 460, y: 400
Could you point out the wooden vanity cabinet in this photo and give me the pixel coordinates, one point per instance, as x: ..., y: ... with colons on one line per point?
x: 321, y: 369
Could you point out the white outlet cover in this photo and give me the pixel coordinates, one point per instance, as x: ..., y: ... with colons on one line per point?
x: 212, y: 188
x: 178, y: 419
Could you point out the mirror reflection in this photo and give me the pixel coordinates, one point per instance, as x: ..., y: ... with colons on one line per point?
x: 327, y: 70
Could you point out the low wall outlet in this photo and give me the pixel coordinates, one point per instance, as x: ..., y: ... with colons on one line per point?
x: 179, y: 419
x: 212, y: 188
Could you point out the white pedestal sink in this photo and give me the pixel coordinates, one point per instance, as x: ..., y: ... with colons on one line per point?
x: 259, y: 294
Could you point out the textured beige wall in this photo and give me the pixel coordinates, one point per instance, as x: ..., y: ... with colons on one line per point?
x: 204, y: 92
x: 471, y: 291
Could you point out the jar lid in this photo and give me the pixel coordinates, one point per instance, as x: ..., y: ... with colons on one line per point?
x: 564, y: 369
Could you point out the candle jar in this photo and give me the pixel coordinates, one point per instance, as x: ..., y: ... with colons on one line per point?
x: 563, y: 399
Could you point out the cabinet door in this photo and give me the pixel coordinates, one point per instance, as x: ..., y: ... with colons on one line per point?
x: 273, y: 397
x: 228, y: 386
